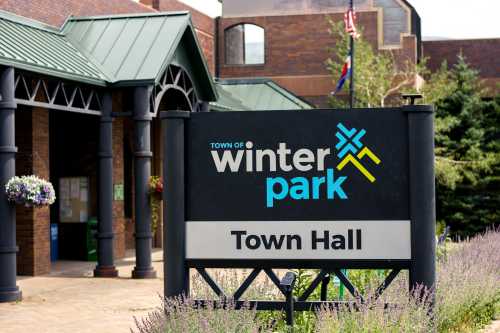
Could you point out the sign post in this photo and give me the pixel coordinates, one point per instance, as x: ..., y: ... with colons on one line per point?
x: 176, y: 273
x: 422, y: 195
x: 321, y: 189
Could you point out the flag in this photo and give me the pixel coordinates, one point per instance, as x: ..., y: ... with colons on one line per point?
x: 346, y: 70
x: 349, y: 21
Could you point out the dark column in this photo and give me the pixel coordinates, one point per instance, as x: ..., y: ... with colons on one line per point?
x: 422, y: 195
x: 9, y: 292
x: 142, y: 169
x: 174, y: 222
x: 105, y: 259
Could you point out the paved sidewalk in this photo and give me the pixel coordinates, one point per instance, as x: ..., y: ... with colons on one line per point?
x: 70, y: 300
x: 494, y: 327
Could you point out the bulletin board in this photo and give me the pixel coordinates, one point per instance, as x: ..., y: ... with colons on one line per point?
x: 73, y: 199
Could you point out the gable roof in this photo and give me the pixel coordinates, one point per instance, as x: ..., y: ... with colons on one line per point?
x: 111, y: 50
x: 256, y: 94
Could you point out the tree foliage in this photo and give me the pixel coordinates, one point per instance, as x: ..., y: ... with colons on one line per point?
x: 467, y: 135
x: 378, y: 76
x: 467, y: 153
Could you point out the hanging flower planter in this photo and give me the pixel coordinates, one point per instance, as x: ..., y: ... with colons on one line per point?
x: 155, y: 196
x: 155, y: 186
x: 30, y: 191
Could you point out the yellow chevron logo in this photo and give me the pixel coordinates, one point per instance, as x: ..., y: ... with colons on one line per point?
x: 370, y: 154
x: 350, y: 158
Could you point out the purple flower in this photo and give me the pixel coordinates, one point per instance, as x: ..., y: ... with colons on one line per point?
x: 30, y: 191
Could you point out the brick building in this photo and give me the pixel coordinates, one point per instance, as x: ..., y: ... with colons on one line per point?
x: 295, y: 39
x: 294, y: 42
x: 274, y: 46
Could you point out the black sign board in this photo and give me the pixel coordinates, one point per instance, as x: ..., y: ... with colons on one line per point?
x: 373, y: 186
x: 320, y: 188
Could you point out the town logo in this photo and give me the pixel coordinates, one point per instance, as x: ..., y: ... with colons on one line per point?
x: 242, y: 156
x: 350, y: 149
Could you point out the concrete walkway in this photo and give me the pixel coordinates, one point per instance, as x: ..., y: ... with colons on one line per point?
x: 494, y: 327
x: 70, y: 300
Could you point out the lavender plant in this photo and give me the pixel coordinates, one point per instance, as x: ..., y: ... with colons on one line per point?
x: 468, y: 284
x: 180, y: 315
x: 410, y: 316
x: 30, y: 191
x: 466, y: 297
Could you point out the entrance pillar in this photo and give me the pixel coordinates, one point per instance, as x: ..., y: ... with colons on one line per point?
x: 9, y: 292
x: 142, y: 172
x: 105, y: 259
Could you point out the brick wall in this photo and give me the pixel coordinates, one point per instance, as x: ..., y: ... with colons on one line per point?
x: 481, y: 54
x: 207, y: 45
x: 55, y: 12
x: 294, y: 45
x: 119, y: 220
x: 118, y: 206
x: 33, y: 225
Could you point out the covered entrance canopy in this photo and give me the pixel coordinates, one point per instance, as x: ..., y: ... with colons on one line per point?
x: 77, y: 69
x: 255, y: 94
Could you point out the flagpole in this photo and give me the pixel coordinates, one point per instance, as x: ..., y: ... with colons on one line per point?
x: 351, y: 74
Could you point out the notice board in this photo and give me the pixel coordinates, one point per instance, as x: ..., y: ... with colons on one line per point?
x: 73, y: 199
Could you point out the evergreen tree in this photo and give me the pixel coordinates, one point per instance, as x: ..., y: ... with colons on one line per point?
x: 467, y: 155
x: 468, y: 140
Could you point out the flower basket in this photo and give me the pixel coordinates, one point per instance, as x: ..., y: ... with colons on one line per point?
x: 155, y: 197
x: 30, y: 191
x: 156, y: 187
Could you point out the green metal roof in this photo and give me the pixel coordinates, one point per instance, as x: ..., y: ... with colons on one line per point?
x: 226, y: 101
x: 116, y: 50
x: 256, y: 94
x: 32, y: 46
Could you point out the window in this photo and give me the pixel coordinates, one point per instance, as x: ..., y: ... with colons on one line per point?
x: 244, y: 45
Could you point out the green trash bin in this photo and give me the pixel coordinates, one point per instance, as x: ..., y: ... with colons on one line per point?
x: 92, y: 239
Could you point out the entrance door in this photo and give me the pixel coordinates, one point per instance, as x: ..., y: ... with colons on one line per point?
x: 73, y: 170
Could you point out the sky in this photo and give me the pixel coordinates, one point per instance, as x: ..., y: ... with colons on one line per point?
x: 210, y: 7
x: 459, y: 18
x: 440, y: 18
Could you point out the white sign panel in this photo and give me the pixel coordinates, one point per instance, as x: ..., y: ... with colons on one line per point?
x: 365, y: 240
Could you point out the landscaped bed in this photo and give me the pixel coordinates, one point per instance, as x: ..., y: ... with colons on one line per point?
x: 467, y: 298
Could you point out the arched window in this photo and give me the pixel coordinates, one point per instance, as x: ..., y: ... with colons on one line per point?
x: 244, y: 45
